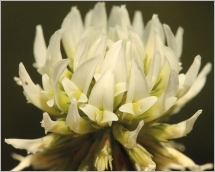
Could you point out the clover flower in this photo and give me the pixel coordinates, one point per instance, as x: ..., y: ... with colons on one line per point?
x: 106, y: 105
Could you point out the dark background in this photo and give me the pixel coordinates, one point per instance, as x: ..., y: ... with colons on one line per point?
x: 21, y: 120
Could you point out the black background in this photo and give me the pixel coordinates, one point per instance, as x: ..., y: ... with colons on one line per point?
x: 21, y: 120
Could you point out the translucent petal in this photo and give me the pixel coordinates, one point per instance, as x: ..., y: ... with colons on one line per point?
x: 39, y: 48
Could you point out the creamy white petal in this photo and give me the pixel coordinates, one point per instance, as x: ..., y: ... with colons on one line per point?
x: 181, y: 129
x: 53, y: 53
x: 61, y: 99
x: 59, y: 127
x: 154, y: 70
x: 80, y: 53
x: 76, y: 122
x: 119, y: 16
x: 90, y: 111
x: 99, y: 16
x: 34, y: 95
x: 24, y: 162
x: 127, y: 108
x: 171, y: 42
x: 191, y: 75
x: 72, y: 91
x: 133, y: 136
x: 73, y: 29
x: 143, y: 105
x: 109, y: 116
x: 137, y: 88
x: 138, y: 24
x: 179, y: 41
x: 84, y: 74
x: 39, y: 48
x: 102, y: 94
x: 87, y: 19
x: 120, y: 88
x: 137, y: 41
x: 47, y: 84
x: 194, y: 89
x: 31, y: 145
x: 173, y: 60
x: 115, y: 59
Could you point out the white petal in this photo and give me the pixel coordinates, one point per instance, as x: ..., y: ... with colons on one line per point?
x: 172, y: 86
x: 173, y: 60
x: 102, y: 94
x: 72, y: 91
x: 83, y: 76
x: 191, y: 75
x: 181, y: 129
x: 31, y: 145
x: 99, y: 16
x: 87, y: 19
x: 137, y: 41
x: 24, y: 162
x: 143, y: 105
x: 80, y: 52
x: 169, y: 103
x: 171, y: 42
x: 74, y: 28
x: 133, y: 136
x: 138, y: 88
x: 59, y: 127
x: 76, y: 122
x: 60, y: 98
x: 34, y: 95
x: 39, y: 48
x: 47, y: 84
x: 138, y: 24
x: 90, y: 111
x: 120, y: 88
x: 154, y: 70
x: 179, y: 40
x: 195, y: 88
x: 119, y: 16
x: 109, y: 116
x: 53, y: 53
x: 127, y: 108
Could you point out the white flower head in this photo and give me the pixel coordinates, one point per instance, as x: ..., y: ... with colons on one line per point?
x: 104, y: 105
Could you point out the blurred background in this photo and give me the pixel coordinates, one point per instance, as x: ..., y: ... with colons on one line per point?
x: 21, y: 120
